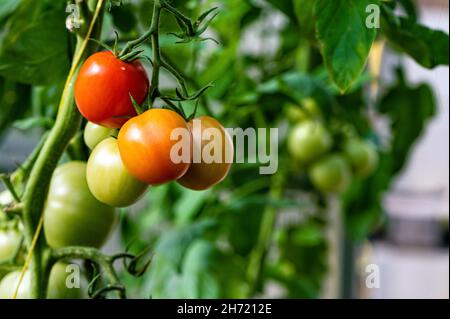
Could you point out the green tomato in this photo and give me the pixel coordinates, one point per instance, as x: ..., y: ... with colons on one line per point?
x: 94, y: 134
x: 10, y: 240
x: 65, y: 282
x: 362, y: 156
x: 308, y: 141
x: 294, y: 113
x: 311, y: 109
x: 108, y: 179
x: 331, y: 174
x: 72, y: 215
x: 57, y: 287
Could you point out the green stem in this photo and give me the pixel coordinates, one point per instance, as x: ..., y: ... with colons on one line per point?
x: 258, y: 255
x: 94, y: 255
x: 66, y: 125
x: 156, y: 51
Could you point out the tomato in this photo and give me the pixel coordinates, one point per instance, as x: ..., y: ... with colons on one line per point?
x: 331, y: 173
x: 145, y: 146
x: 311, y: 109
x: 362, y: 155
x: 103, y: 88
x: 204, y: 174
x: 57, y: 288
x: 72, y: 215
x: 94, y: 134
x: 307, y: 111
x: 10, y: 240
x: 108, y: 179
x: 308, y: 141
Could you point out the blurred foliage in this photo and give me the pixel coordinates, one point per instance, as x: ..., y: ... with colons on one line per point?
x: 202, y: 242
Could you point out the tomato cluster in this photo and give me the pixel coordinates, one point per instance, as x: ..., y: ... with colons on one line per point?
x: 331, y: 165
x: 122, y: 165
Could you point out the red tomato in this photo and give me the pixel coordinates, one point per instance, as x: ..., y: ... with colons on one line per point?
x: 204, y: 174
x: 145, y: 146
x: 103, y: 88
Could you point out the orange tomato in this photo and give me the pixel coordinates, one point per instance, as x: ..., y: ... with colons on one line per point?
x: 205, y: 172
x: 145, y: 146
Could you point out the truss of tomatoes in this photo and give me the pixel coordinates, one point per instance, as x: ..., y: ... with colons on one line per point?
x: 119, y: 170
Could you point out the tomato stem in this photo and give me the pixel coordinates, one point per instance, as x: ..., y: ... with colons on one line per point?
x: 66, y: 125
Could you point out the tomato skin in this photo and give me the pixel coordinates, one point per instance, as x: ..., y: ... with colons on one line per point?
x: 10, y: 239
x: 308, y: 141
x: 201, y: 176
x: 362, y: 156
x: 145, y: 146
x: 72, y: 215
x: 331, y: 174
x: 57, y: 288
x: 108, y: 179
x: 103, y: 87
x: 94, y: 134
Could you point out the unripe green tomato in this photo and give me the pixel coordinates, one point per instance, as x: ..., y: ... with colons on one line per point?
x: 57, y: 287
x: 295, y: 113
x: 94, y: 134
x: 108, y: 179
x: 311, y: 109
x: 362, y: 156
x: 331, y: 174
x: 72, y: 215
x: 10, y: 240
x: 308, y: 141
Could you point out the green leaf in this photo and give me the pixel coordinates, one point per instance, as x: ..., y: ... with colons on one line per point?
x: 36, y: 52
x: 409, y: 109
x: 7, y: 7
x: 172, y: 245
x: 15, y: 100
x: 33, y: 122
x: 428, y: 47
x: 124, y: 18
x: 344, y: 37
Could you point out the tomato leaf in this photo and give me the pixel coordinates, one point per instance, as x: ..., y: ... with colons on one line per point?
x: 428, y: 47
x: 344, y: 38
x: 36, y: 52
x: 7, y: 7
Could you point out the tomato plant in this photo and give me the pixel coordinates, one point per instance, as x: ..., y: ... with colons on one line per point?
x: 204, y: 174
x: 103, y: 88
x: 72, y: 215
x: 269, y: 64
x: 145, y: 145
x: 108, y: 179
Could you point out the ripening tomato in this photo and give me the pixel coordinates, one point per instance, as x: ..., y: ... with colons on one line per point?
x: 103, y: 88
x: 331, y: 174
x: 148, y: 144
x: 212, y: 167
x: 57, y: 287
x: 94, y: 134
x: 362, y: 155
x: 72, y: 215
x: 308, y: 141
x: 108, y: 179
